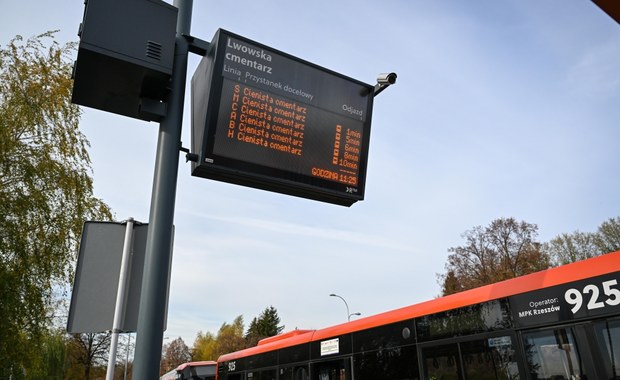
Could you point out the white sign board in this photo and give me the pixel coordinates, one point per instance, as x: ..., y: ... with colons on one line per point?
x: 330, y: 347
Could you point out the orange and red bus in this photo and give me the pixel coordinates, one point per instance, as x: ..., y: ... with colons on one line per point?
x: 202, y: 370
x: 560, y: 323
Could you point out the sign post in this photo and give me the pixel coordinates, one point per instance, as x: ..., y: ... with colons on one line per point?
x: 121, y: 294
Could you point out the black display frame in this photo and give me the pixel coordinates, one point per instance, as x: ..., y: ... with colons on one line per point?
x: 208, y: 85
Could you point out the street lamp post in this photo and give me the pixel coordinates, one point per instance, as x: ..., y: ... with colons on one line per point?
x: 349, y: 314
x: 127, y: 356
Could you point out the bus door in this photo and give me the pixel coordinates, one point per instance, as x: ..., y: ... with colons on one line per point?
x: 332, y: 370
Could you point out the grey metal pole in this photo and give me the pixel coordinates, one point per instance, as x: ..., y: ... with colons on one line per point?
x: 121, y: 295
x: 127, y: 357
x: 151, y: 316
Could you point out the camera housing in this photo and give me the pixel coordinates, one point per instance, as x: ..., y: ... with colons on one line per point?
x: 384, y: 80
x: 387, y: 78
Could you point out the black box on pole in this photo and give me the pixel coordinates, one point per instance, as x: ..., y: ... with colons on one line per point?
x: 125, y: 57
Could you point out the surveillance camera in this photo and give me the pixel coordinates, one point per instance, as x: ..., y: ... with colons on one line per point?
x: 384, y: 81
x: 386, y: 78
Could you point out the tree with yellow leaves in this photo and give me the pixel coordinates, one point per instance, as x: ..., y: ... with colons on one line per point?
x: 46, y: 193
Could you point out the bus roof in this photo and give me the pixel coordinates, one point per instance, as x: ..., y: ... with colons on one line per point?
x: 282, y: 336
x: 550, y: 277
x: 195, y: 364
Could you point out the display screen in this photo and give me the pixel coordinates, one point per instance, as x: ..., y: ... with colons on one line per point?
x: 279, y: 123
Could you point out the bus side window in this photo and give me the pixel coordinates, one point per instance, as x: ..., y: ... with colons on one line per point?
x: 553, y: 354
x: 300, y: 373
x: 608, y: 340
x: 441, y: 362
x: 333, y: 370
x: 268, y: 374
x: 293, y: 373
x: 396, y: 363
x: 492, y: 358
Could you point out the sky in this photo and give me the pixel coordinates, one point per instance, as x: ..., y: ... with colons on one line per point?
x: 501, y: 109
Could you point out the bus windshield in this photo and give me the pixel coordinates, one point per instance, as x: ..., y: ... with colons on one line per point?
x: 203, y: 370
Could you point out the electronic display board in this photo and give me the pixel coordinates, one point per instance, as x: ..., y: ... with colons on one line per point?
x: 265, y: 119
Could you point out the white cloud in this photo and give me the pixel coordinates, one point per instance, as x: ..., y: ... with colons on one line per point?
x: 597, y: 71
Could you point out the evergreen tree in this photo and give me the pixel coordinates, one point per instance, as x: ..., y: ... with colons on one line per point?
x: 266, y: 325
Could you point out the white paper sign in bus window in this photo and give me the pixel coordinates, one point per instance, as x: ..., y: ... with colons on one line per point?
x: 500, y: 341
x: 330, y: 347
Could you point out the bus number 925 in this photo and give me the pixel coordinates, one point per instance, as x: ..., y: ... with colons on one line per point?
x: 575, y: 298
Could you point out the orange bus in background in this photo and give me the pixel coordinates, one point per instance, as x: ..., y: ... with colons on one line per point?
x: 560, y: 323
x: 203, y: 370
